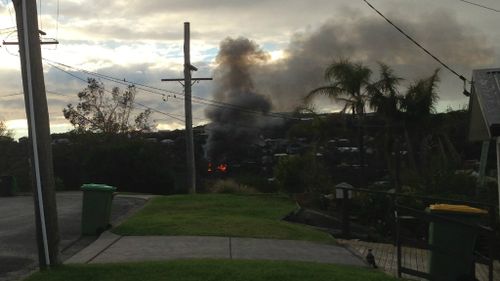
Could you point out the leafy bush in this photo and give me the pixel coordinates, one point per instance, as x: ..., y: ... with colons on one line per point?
x: 230, y: 186
x: 256, y: 181
x: 132, y: 165
x: 301, y: 173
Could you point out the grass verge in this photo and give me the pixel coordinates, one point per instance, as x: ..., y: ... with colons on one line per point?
x: 257, y: 216
x: 208, y: 270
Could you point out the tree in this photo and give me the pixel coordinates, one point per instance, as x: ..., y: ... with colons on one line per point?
x: 418, y: 104
x: 4, y: 132
x: 384, y: 96
x: 302, y: 173
x: 386, y: 100
x: 420, y: 99
x: 107, y: 112
x: 348, y: 83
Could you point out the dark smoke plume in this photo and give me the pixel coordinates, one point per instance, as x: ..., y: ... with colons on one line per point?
x: 232, y: 129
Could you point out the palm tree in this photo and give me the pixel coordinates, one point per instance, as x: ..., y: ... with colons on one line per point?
x: 348, y: 83
x: 418, y: 104
x: 420, y: 99
x: 386, y: 100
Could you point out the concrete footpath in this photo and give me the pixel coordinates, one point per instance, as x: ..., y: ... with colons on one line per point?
x: 110, y: 248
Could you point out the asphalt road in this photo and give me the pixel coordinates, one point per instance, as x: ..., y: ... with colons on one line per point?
x: 18, y: 248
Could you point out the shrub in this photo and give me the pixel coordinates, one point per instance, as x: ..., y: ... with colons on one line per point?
x: 131, y: 165
x: 301, y: 173
x: 256, y: 181
x: 230, y: 186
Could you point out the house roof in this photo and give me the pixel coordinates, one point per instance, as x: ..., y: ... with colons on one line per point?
x: 484, y: 104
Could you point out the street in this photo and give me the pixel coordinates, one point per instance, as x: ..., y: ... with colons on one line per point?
x: 18, y: 248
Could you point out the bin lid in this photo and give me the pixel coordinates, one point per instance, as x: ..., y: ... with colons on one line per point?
x: 97, y: 187
x: 462, y: 209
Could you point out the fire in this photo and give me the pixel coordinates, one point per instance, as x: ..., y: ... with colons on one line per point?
x: 222, y: 168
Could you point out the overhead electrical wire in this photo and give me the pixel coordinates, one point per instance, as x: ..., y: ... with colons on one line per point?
x: 154, y: 90
x: 461, y: 77
x: 479, y: 5
x: 112, y: 79
x: 140, y: 104
x: 160, y: 112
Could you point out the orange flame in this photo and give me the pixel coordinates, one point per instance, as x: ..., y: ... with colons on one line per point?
x: 222, y: 168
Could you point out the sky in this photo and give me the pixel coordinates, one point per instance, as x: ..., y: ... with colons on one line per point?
x: 141, y: 41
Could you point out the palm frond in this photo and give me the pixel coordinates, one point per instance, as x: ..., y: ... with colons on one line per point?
x: 330, y: 91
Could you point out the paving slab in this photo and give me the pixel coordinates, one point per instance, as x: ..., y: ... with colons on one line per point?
x: 269, y: 249
x: 153, y: 248
x: 93, y: 250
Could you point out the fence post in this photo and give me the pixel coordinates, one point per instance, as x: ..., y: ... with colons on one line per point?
x: 491, y: 240
x: 346, y: 231
x: 394, y: 222
x: 398, y: 242
x: 493, y: 217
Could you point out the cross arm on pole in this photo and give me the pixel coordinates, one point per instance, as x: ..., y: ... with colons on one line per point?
x: 41, y: 43
x: 180, y: 80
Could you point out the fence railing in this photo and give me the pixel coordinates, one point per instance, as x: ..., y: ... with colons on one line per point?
x: 401, y: 213
x: 479, y: 257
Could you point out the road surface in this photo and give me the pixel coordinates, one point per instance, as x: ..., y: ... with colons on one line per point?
x: 18, y: 248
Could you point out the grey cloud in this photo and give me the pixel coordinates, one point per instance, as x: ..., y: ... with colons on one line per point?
x: 214, y: 20
x: 62, y: 83
x: 10, y: 81
x: 12, y: 108
x: 369, y: 40
x: 120, y: 32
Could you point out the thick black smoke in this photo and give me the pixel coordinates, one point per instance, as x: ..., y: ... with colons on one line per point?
x: 235, y: 127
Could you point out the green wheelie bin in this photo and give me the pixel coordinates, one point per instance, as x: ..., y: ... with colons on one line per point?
x: 8, y: 186
x: 452, y: 244
x: 96, y: 208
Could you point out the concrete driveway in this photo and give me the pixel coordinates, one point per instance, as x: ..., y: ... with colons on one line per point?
x: 18, y: 248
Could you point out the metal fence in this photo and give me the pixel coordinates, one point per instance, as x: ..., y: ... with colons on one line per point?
x: 410, y: 232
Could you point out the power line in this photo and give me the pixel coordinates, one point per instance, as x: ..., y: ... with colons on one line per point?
x: 160, y: 112
x: 148, y: 88
x: 461, y: 77
x: 140, y: 104
x: 479, y: 5
x: 170, y: 115
x: 114, y: 79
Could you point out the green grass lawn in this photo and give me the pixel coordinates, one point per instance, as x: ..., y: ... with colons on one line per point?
x: 256, y: 216
x: 207, y: 270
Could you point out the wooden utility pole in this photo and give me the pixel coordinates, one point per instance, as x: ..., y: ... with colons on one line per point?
x: 39, y: 132
x: 188, y: 80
